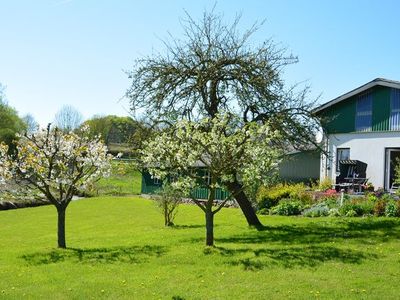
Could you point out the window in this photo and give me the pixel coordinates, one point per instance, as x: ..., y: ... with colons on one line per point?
x: 156, y: 180
x: 364, y: 112
x: 341, y: 154
x: 395, y: 109
x: 207, y: 177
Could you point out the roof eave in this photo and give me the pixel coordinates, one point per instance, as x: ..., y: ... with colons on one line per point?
x: 363, y: 88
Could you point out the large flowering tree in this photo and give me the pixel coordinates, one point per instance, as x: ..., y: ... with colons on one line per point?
x: 216, y: 68
x: 231, y: 151
x: 58, y: 164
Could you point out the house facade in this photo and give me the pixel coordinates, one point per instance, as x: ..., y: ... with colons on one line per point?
x: 364, y: 125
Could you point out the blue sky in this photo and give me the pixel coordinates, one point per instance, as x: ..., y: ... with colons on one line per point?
x: 58, y: 52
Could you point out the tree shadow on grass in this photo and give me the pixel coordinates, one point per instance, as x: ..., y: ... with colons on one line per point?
x: 131, y: 255
x: 290, y: 257
x: 365, y: 230
x: 194, y: 226
x: 306, y: 244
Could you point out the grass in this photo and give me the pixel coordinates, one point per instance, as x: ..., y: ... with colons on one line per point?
x: 124, y: 181
x: 119, y: 249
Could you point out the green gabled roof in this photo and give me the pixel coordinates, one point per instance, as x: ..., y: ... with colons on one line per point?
x: 365, y: 87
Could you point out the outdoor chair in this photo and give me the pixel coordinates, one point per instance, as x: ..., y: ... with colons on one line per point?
x: 394, y: 188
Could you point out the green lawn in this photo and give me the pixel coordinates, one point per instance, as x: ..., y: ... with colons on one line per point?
x: 119, y: 249
x: 124, y: 180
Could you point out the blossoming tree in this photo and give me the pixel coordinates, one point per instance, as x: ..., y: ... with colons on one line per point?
x: 216, y: 68
x: 58, y: 164
x: 5, y: 172
x: 231, y: 151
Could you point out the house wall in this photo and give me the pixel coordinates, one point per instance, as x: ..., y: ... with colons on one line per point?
x: 368, y: 147
x: 300, y: 167
x: 340, y: 118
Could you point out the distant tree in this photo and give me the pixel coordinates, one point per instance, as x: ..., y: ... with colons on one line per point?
x: 68, y: 118
x: 99, y: 126
x: 216, y: 70
x: 119, y: 130
x: 58, y: 164
x: 31, y: 125
x: 10, y: 122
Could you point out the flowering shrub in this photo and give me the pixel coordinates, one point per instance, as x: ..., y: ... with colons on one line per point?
x: 330, y: 192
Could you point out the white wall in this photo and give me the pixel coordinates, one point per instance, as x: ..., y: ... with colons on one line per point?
x: 368, y: 147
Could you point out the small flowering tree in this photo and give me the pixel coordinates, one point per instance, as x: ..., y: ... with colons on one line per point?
x: 228, y: 149
x: 59, y: 164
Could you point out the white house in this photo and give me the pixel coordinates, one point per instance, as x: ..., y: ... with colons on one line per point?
x: 364, y: 125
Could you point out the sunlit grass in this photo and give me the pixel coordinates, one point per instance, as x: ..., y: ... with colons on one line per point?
x: 119, y: 249
x: 124, y: 180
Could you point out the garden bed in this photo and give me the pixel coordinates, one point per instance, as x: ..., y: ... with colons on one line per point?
x: 298, y: 199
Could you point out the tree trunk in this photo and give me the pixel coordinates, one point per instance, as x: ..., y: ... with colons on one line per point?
x: 209, y: 213
x: 236, y: 189
x: 166, y: 218
x: 61, y: 227
x: 209, y: 228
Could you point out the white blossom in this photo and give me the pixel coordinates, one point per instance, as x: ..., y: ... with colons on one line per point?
x: 223, y: 145
x: 57, y: 163
x: 5, y: 171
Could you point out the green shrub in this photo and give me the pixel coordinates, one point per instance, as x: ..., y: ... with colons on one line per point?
x: 379, y: 207
x: 168, y: 199
x: 366, y: 205
x: 330, y: 201
x: 334, y: 212
x: 268, y: 197
x: 263, y: 211
x: 287, y: 207
x: 387, y: 197
x: 392, y: 209
x: 325, y: 184
x: 372, y: 197
x: 357, y: 207
x: 351, y: 213
x: 317, y: 210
